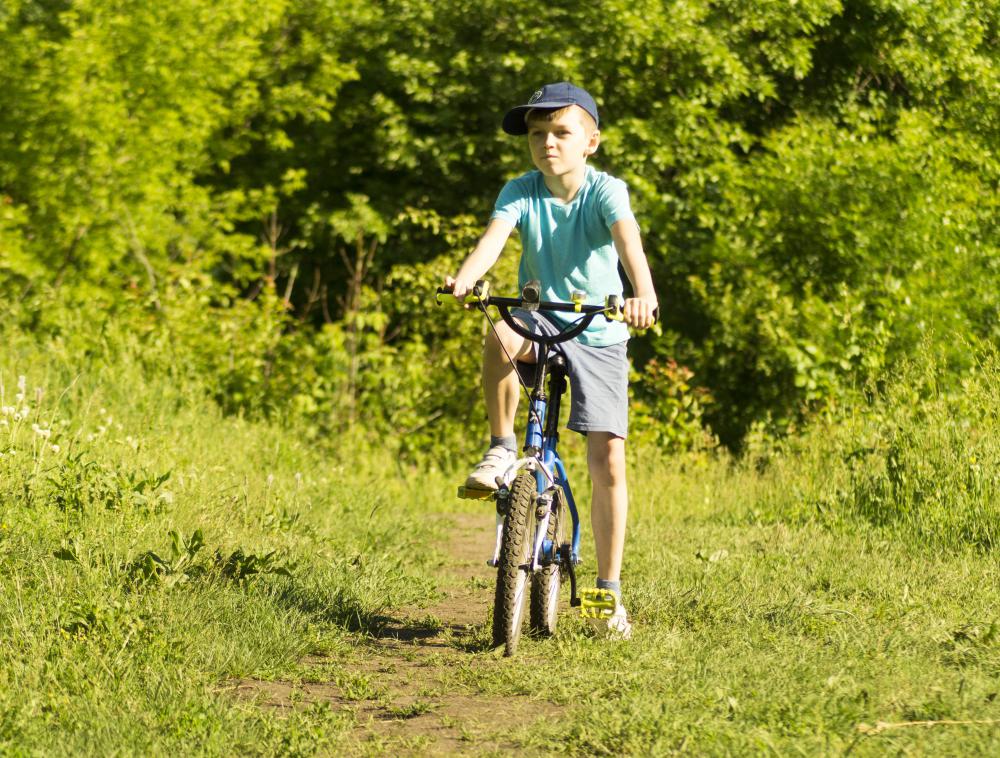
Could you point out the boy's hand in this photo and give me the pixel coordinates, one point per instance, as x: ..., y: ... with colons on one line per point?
x: 459, y: 287
x: 639, y: 312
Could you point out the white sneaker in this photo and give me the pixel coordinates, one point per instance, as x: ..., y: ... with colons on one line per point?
x: 615, y: 627
x: 495, y: 463
x: 605, y: 614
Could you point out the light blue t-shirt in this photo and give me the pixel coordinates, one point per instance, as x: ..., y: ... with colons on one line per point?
x: 568, y: 246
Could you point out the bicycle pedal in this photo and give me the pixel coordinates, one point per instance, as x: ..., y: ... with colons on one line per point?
x: 469, y: 493
x: 596, y: 603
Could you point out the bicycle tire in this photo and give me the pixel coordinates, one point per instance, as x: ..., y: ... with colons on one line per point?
x: 544, y: 608
x: 515, y: 552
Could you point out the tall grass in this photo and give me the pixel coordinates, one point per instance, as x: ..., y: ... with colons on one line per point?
x: 154, y: 550
x: 912, y: 460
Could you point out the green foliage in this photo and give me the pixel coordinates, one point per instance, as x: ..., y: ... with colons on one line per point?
x: 247, y: 189
x: 669, y: 411
x: 916, y: 458
x: 929, y: 465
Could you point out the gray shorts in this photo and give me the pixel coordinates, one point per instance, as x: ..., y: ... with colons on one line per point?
x: 598, y: 379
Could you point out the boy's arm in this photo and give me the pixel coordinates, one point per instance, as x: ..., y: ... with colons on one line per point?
x: 481, y: 259
x: 638, y: 310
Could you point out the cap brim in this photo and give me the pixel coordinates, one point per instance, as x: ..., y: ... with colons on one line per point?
x: 513, y: 122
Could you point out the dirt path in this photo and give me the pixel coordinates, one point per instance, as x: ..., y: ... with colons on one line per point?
x: 406, y: 690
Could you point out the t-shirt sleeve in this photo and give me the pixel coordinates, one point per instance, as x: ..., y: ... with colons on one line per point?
x: 510, y: 204
x: 614, y: 202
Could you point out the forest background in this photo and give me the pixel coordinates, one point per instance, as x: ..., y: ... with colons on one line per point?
x: 264, y: 194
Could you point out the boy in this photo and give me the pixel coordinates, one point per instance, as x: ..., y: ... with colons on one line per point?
x: 575, y: 225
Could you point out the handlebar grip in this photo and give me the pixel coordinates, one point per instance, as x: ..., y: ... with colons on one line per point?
x: 445, y: 290
x: 478, y: 295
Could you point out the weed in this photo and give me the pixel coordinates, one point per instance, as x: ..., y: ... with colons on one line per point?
x: 356, y: 686
x: 414, y: 709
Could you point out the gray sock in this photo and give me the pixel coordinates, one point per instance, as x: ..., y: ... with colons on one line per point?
x: 509, y: 442
x: 607, y: 584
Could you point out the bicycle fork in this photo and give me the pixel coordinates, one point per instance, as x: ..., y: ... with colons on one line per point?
x: 550, y: 475
x: 553, y: 496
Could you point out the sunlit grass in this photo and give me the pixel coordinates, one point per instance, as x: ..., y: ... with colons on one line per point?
x: 154, y: 551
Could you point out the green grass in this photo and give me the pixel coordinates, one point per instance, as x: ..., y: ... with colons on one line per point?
x: 164, y: 552
x: 101, y: 655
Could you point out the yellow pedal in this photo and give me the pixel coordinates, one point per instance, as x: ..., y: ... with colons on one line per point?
x: 597, y: 603
x: 468, y: 493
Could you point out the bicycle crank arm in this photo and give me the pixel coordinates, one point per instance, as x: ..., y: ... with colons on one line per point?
x: 566, y: 557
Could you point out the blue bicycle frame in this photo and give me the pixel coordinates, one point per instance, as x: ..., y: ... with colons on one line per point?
x: 555, y: 470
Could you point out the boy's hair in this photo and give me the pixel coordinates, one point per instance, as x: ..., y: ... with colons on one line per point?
x: 549, y: 114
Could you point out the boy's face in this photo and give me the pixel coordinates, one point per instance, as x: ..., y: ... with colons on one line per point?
x: 561, y: 145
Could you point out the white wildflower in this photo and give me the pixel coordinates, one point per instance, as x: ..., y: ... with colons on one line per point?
x: 55, y: 448
x: 19, y: 397
x: 22, y: 382
x: 8, y: 410
x: 270, y: 479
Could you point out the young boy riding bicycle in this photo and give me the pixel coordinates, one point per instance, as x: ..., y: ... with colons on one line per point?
x: 575, y: 224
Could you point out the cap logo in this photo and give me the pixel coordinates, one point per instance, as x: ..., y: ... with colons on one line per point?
x: 536, y: 97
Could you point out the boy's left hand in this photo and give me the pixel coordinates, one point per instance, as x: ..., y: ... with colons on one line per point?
x: 639, y: 312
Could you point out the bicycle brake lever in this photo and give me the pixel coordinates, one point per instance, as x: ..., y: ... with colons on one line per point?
x: 479, y: 294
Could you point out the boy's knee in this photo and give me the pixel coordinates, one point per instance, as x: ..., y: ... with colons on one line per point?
x: 505, y: 342
x: 606, y: 458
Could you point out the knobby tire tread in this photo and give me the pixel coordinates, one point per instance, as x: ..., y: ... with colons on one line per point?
x: 514, y: 545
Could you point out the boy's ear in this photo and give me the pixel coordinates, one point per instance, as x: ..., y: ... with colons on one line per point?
x: 595, y: 141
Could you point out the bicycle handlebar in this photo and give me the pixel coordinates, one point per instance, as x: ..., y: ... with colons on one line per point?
x: 529, y: 300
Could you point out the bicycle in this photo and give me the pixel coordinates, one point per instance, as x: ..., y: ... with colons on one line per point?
x: 533, y: 494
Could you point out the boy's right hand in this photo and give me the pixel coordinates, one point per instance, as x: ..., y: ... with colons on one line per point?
x: 459, y: 287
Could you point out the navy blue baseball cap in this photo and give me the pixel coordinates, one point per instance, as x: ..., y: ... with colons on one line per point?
x: 550, y: 97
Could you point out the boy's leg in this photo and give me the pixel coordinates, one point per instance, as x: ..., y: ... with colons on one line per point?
x: 609, y: 506
x: 501, y: 391
x: 500, y: 386
x: 608, y: 511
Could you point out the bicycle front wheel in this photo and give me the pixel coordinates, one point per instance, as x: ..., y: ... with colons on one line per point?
x: 513, y: 571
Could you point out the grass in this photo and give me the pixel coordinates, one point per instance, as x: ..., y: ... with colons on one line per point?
x: 107, y: 650
x: 154, y: 553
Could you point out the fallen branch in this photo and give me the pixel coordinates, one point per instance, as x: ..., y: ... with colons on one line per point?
x: 885, y: 726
